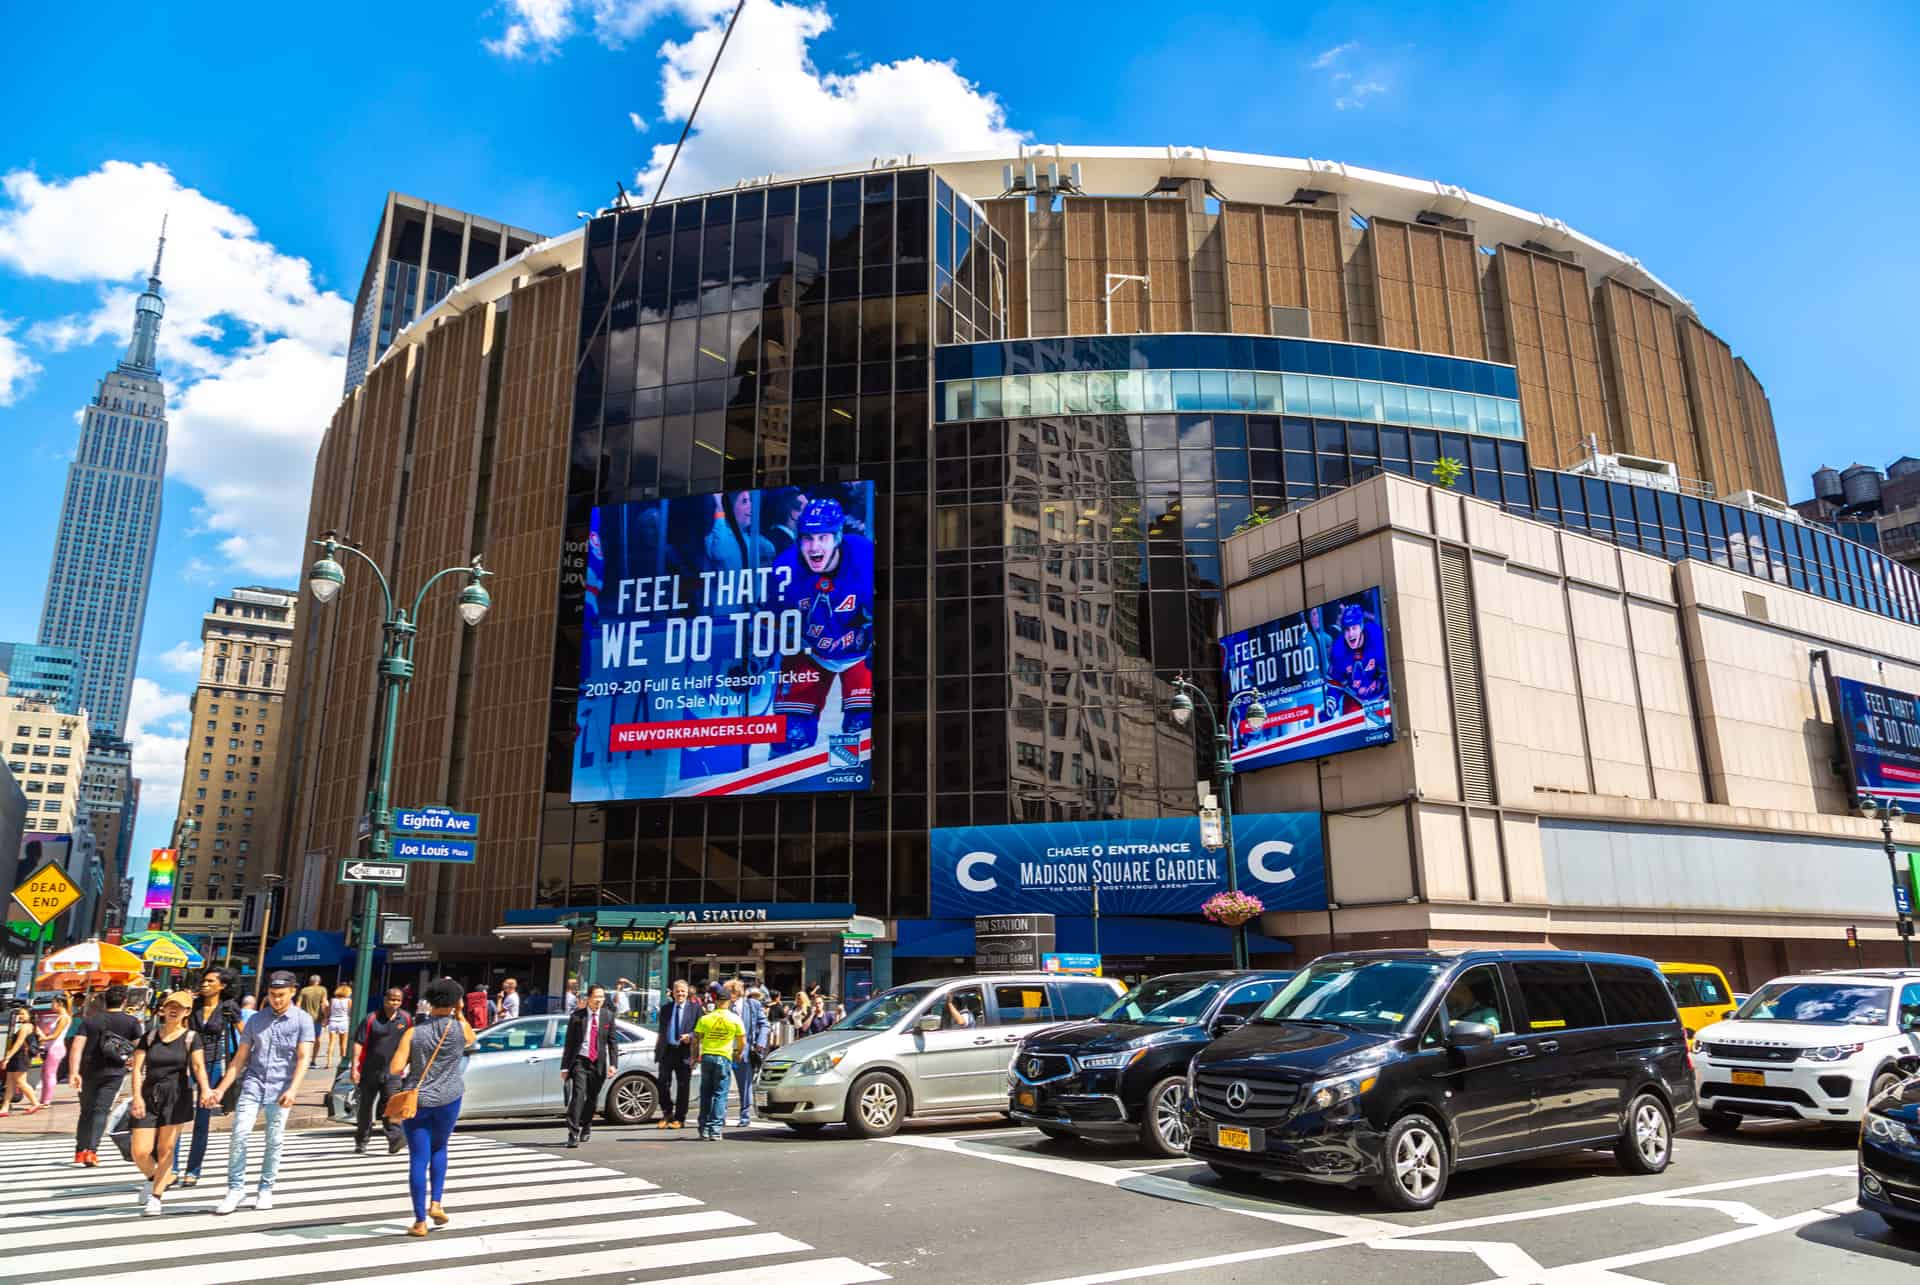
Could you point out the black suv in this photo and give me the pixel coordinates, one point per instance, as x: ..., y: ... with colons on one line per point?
x: 1395, y: 1067
x: 1124, y: 1074
x: 1890, y: 1152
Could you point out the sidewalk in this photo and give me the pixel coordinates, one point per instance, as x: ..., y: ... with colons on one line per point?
x: 61, y: 1119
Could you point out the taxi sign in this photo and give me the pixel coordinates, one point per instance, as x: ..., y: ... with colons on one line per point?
x: 46, y: 893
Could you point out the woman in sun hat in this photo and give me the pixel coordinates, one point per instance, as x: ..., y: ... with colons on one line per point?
x: 169, y: 1076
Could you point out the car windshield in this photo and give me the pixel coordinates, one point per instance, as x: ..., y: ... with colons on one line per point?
x: 884, y: 1010
x: 1366, y: 994
x: 1170, y: 1001
x: 1821, y: 1003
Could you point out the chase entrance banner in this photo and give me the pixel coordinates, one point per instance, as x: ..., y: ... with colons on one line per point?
x: 1153, y: 867
x: 727, y: 645
x: 1322, y: 675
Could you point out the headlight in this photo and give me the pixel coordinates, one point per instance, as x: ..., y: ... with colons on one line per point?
x: 1831, y: 1053
x: 1886, y: 1129
x: 1110, y: 1061
x: 1700, y: 1046
x: 1193, y: 1070
x: 1324, y: 1095
x: 820, y: 1063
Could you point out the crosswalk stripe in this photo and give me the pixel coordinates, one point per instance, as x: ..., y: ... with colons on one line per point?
x: 503, y: 1269
x: 130, y: 1226
x: 502, y: 1248
x: 210, y: 1193
x: 271, y: 1240
x: 812, y: 1271
x: 291, y: 1167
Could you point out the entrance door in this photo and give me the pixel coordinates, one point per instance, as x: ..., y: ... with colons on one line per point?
x: 784, y: 973
x: 703, y: 972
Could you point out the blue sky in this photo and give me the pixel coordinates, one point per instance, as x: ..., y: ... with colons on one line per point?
x: 1757, y: 157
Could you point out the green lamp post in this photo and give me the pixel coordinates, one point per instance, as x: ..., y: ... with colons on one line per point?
x: 1182, y: 705
x: 394, y: 670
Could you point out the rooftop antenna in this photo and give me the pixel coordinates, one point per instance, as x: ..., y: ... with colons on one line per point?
x: 162, y: 249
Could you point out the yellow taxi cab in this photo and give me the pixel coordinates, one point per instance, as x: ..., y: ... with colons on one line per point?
x: 1701, y: 993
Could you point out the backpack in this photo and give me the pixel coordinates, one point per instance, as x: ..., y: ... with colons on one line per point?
x: 115, y: 1049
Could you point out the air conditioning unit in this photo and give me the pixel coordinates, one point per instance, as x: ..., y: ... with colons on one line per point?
x: 1760, y: 503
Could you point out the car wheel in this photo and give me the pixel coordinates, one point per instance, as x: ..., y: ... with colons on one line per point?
x: 876, y: 1105
x: 805, y: 1129
x: 1163, y: 1122
x: 1723, y: 1123
x: 1413, y: 1164
x: 1646, y: 1140
x: 1884, y: 1081
x: 1234, y: 1175
x: 633, y: 1099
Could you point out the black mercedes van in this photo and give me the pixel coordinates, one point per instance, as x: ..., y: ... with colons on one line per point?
x: 1123, y: 1075
x: 1393, y: 1068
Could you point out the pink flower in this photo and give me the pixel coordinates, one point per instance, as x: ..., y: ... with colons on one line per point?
x: 1231, y: 907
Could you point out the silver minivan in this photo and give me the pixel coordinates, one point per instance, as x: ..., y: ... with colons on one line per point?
x: 925, y: 1049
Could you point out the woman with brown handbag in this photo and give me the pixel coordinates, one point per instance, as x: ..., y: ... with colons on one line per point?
x: 433, y: 1067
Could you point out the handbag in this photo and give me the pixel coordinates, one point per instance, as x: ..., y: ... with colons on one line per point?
x: 231, y: 1098
x: 402, y: 1104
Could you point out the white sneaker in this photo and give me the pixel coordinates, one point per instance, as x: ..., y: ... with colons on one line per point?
x: 263, y: 1199
x: 141, y: 1197
x: 153, y: 1207
x: 229, y: 1202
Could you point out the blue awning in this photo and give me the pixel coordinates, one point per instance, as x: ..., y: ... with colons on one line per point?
x: 1128, y: 935
x: 312, y: 948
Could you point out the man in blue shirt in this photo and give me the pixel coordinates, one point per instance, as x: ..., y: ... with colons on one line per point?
x: 753, y: 1016
x: 275, y: 1047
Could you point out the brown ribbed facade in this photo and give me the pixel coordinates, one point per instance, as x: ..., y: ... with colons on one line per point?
x: 451, y: 448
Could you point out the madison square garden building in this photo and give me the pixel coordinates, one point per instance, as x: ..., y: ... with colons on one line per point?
x: 841, y: 521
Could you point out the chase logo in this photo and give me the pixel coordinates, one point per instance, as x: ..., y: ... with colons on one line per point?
x: 843, y: 749
x: 964, y: 872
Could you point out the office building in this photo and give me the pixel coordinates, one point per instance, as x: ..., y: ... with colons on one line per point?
x: 420, y: 252
x: 50, y: 673
x: 228, y: 780
x: 1066, y: 397
x: 96, y: 599
x: 47, y: 753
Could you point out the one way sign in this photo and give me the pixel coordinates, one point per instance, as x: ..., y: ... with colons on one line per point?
x: 380, y: 872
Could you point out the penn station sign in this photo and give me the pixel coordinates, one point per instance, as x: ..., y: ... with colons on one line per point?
x: 1156, y: 867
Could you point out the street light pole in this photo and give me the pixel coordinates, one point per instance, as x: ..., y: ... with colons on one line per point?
x: 266, y: 925
x: 1184, y: 697
x: 1887, y: 813
x: 394, y: 671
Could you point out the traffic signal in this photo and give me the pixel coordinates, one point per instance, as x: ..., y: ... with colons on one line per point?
x: 1853, y: 938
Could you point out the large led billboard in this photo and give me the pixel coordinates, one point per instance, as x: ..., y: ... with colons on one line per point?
x: 727, y: 645
x: 1322, y: 676
x: 1880, y: 731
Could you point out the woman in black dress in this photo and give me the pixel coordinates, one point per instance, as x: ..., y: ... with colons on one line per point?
x: 216, y: 1019
x: 20, y: 1043
x: 169, y: 1077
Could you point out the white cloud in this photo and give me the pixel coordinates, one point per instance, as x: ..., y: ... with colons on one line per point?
x: 1327, y: 57
x: 156, y: 723
x: 1358, y: 94
x: 638, y: 121
x: 182, y: 658
x: 16, y: 368
x: 252, y: 348
x: 535, y: 30
x: 771, y: 109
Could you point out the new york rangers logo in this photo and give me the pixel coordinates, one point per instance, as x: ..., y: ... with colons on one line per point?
x: 843, y: 749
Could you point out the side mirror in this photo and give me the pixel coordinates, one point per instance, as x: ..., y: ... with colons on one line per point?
x: 1467, y: 1034
x: 1228, y: 1022
x: 928, y: 1022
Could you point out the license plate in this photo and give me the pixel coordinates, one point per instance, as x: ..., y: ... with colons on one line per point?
x: 1232, y: 1139
x: 1026, y: 1098
x: 1751, y: 1079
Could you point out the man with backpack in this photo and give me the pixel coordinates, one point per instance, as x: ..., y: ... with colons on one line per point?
x: 101, y: 1053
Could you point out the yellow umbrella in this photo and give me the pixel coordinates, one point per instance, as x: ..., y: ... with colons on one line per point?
x: 164, y: 954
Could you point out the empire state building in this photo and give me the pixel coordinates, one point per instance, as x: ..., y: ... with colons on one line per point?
x: 110, y: 521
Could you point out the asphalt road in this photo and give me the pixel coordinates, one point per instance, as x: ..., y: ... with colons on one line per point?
x: 979, y: 1202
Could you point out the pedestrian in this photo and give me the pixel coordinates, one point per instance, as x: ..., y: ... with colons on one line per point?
x: 476, y: 1006
x: 822, y: 1018
x: 373, y: 1048
x: 55, y: 1023
x: 248, y: 1004
x: 339, y: 1016
x: 275, y: 1047
x: 169, y: 1078
x: 22, y: 1046
x: 752, y: 1012
x: 434, y: 1070
x: 509, y: 1000
x: 673, y: 1054
x: 776, y: 1021
x: 573, y: 994
x: 590, y: 1054
x: 99, y: 1059
x: 722, y: 1041
x: 313, y: 1001
x: 217, y: 1020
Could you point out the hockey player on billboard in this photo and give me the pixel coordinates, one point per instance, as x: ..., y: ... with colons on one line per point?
x: 832, y: 585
